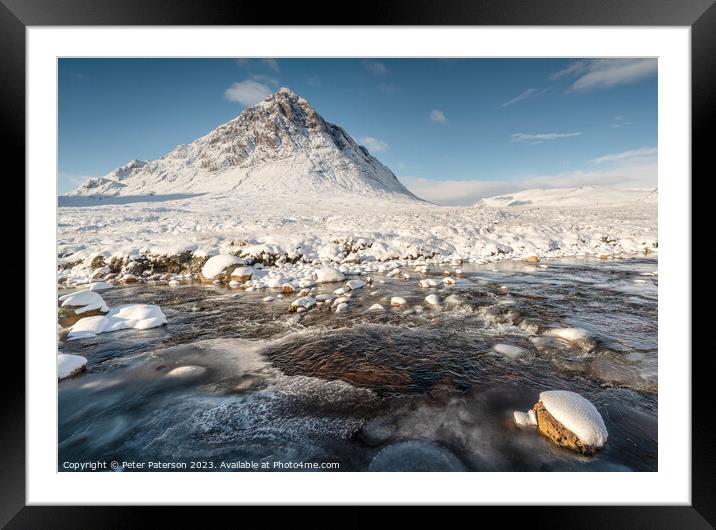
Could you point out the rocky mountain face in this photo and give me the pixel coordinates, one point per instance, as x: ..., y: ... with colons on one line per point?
x: 280, y: 146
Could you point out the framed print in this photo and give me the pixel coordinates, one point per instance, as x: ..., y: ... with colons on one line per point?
x: 439, y: 256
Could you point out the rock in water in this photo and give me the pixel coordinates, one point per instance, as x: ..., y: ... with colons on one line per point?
x: 432, y: 299
x: 215, y: 265
x: 571, y: 421
x: 69, y: 365
x: 414, y: 455
x: 186, y: 371
x: 578, y: 336
x: 355, y: 284
x: 329, y: 274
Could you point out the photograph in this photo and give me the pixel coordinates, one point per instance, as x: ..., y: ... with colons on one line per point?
x: 357, y: 264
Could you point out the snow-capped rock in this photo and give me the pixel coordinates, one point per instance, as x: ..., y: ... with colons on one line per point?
x: 69, y: 365
x: 186, y: 372
x: 84, y: 301
x: 432, y: 299
x: 137, y: 316
x: 398, y: 301
x: 578, y: 336
x: 215, y: 265
x: 355, y: 284
x: 568, y: 413
x: 329, y: 274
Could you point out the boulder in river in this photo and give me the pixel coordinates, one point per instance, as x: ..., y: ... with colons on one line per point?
x: 571, y: 421
x: 70, y: 365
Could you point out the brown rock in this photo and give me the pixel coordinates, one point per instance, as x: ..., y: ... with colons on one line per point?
x: 558, y: 433
x: 531, y: 259
x: 66, y: 316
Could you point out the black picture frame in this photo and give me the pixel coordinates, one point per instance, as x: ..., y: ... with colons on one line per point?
x: 699, y: 15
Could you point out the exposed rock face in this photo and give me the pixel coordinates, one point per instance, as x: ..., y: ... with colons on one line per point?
x: 557, y: 432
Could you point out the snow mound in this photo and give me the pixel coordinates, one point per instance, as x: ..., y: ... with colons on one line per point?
x: 525, y: 419
x: 577, y: 414
x: 69, y: 365
x: 84, y: 301
x: 216, y: 265
x: 329, y: 274
x: 137, y: 316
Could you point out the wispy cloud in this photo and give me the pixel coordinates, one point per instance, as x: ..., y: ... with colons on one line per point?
x: 375, y: 67
x: 271, y: 64
x: 619, y: 122
x: 606, y: 73
x: 524, y: 95
x: 626, y: 156
x: 538, y: 138
x: 571, y: 69
x: 373, y: 144
x: 251, y: 91
x: 437, y: 116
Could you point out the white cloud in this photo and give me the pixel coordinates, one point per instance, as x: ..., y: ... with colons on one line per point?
x: 538, y: 138
x: 271, y: 63
x: 571, y: 69
x: 619, y: 122
x: 437, y: 116
x: 375, y: 67
x: 626, y: 172
x: 455, y: 192
x: 606, y: 73
x: 524, y: 95
x: 248, y: 92
x: 373, y: 144
x: 630, y: 155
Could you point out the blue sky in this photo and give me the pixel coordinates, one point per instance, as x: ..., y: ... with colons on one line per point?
x: 452, y: 130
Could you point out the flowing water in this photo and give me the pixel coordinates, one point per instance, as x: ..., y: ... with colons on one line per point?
x: 408, y: 389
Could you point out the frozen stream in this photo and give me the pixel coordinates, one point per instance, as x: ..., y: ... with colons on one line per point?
x: 348, y: 388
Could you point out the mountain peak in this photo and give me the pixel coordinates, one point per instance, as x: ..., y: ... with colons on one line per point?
x: 281, y: 145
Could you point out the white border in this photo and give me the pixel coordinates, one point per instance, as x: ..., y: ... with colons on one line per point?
x: 671, y: 484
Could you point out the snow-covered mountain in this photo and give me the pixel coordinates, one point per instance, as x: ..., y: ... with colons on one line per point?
x: 279, y: 147
x: 581, y: 197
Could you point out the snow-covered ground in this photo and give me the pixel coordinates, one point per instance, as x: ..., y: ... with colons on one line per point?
x: 279, y: 184
x: 580, y: 197
x: 341, y: 229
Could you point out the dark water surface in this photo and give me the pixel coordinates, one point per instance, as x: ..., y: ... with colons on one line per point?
x: 406, y: 389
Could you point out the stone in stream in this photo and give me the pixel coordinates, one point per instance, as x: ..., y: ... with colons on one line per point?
x: 69, y: 365
x: 580, y: 337
x: 186, y: 371
x: 329, y: 274
x: 570, y: 421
